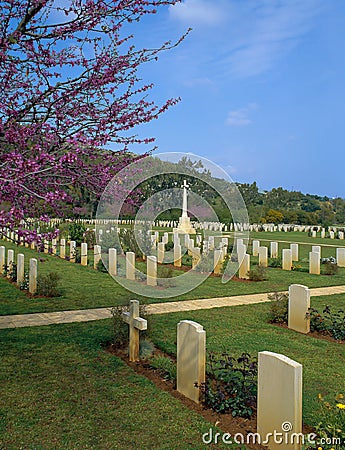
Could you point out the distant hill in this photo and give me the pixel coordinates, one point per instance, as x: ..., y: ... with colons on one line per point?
x: 275, y: 206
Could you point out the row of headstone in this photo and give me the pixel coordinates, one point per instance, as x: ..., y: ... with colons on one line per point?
x: 9, y: 262
x: 279, y: 377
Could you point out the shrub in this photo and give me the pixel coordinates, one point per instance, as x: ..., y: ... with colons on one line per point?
x: 100, y: 267
x: 275, y: 263
x: 331, y: 323
x: 299, y: 268
x: 10, y: 271
x: 231, y: 384
x: 258, y: 273
x: 279, y: 307
x: 332, y: 426
x: 186, y: 260
x: 205, y: 265
x: 76, y: 232
x: 146, y: 348
x: 330, y: 268
x: 165, y: 366
x: 90, y: 238
x: 169, y: 246
x: 317, y: 322
x: 24, y: 285
x: 47, y: 284
x: 336, y: 323
x: 166, y: 278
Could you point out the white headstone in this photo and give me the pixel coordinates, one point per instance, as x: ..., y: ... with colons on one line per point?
x: 33, y: 276
x: 316, y: 248
x: 83, y: 257
x: 195, y: 257
x: 217, y: 261
x: 191, y: 358
x: 274, y: 249
x: 287, y: 259
x: 314, y: 263
x: 279, y: 400
x: 54, y: 246
x: 10, y: 259
x: 256, y: 245
x: 112, y: 261
x: 63, y: 248
x: 72, y: 251
x: 97, y: 255
x: 151, y: 271
x: 244, y: 267
x: 130, y: 265
x: 299, y: 303
x: 294, y: 251
x: 2, y: 258
x: 263, y: 256
x: 341, y: 257
x: 177, y: 255
x: 160, y: 252
x: 20, y: 268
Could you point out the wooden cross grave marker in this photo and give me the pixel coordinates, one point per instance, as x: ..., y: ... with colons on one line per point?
x: 136, y: 324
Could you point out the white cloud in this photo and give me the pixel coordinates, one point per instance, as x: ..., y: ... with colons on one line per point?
x: 244, y: 38
x: 198, y: 12
x: 240, y: 117
x: 270, y: 30
x: 195, y: 82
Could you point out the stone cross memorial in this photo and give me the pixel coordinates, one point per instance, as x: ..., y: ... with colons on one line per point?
x: 136, y: 324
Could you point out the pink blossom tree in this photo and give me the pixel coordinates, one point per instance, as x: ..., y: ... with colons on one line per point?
x: 69, y: 86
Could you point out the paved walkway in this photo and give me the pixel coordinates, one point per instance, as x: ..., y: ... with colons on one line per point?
x: 85, y: 315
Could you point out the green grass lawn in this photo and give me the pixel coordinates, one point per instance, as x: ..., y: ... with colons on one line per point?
x: 245, y: 328
x: 295, y: 236
x: 61, y: 390
x: 84, y: 287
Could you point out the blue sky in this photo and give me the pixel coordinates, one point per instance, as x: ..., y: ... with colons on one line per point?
x: 262, y: 84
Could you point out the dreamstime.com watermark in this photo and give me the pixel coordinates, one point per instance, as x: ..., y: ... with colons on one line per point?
x: 285, y: 436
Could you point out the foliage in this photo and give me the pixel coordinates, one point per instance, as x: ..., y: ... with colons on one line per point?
x: 108, y: 240
x: 231, y: 384
x: 165, y: 366
x: 275, y: 263
x: 47, y: 284
x: 332, y: 427
x: 299, y: 268
x: 330, y: 322
x: 24, y: 285
x: 76, y: 232
x: 90, y: 238
x: 101, y: 267
x: 10, y: 271
x: 166, y: 277
x: 146, y: 348
x: 258, y: 273
x: 279, y: 307
x: 129, y: 242
x: 70, y: 85
x: 169, y: 246
x: 330, y: 268
x: 274, y: 216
